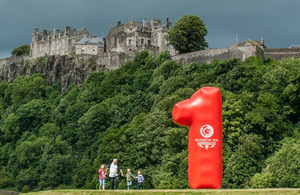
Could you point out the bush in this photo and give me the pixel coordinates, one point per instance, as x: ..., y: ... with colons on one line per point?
x: 25, y: 189
x: 6, y: 180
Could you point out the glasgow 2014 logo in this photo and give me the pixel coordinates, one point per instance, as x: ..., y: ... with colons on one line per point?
x: 206, y: 131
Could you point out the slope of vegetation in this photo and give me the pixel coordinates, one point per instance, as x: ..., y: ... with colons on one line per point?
x: 52, y: 140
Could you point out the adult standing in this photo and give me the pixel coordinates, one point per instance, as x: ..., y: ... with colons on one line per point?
x: 113, y: 173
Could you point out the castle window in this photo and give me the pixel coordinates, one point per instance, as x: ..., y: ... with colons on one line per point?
x: 129, y: 41
x: 142, y: 41
x: 94, y: 49
x: 149, y: 42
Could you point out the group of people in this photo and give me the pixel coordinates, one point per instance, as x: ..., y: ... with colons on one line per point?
x: 113, y: 169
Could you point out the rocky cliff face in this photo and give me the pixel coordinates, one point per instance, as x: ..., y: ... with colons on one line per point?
x: 67, y: 69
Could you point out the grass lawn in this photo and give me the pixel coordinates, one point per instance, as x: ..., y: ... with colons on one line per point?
x: 286, y: 191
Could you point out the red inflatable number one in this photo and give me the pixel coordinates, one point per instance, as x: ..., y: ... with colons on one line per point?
x: 203, y: 114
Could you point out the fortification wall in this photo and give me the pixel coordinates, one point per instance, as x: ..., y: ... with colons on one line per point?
x: 109, y: 60
x: 279, y: 53
x: 207, y: 56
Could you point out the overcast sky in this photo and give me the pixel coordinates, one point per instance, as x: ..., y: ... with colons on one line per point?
x: 277, y: 21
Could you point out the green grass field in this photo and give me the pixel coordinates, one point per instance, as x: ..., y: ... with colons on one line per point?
x: 286, y: 191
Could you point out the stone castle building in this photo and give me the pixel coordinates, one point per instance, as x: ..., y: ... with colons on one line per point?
x: 128, y: 38
x: 90, y: 46
x: 133, y: 37
x: 56, y: 43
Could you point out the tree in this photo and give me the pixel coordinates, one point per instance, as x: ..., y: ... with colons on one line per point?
x: 283, y: 169
x: 22, y: 50
x: 58, y: 171
x: 245, y: 162
x: 188, y: 34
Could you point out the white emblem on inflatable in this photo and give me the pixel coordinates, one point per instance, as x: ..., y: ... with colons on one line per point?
x: 206, y: 131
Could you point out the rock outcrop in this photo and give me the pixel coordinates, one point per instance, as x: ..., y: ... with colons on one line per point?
x: 66, y: 69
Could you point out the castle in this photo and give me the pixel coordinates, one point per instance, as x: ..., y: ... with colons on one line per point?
x: 129, y: 38
x: 132, y: 37
x: 53, y: 54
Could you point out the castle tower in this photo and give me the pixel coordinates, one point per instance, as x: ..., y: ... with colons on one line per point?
x: 34, y: 43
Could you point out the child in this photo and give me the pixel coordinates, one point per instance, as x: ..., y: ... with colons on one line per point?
x: 102, y: 176
x: 129, y: 177
x: 140, y: 179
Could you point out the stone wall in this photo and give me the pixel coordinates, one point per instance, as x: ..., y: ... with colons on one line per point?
x: 279, y: 53
x: 91, y: 49
x: 240, y: 50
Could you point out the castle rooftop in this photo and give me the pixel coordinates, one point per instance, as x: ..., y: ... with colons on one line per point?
x: 91, y: 41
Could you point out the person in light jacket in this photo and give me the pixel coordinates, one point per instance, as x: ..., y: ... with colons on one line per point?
x: 113, y: 173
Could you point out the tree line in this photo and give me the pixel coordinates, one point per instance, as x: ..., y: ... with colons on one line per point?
x: 52, y: 140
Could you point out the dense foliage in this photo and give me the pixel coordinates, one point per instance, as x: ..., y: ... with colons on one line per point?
x: 54, y: 140
x: 22, y: 50
x: 187, y: 34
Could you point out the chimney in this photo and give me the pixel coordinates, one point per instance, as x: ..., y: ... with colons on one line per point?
x: 67, y: 28
x: 155, y: 23
x: 144, y: 22
x: 262, y: 42
x: 54, y: 33
x: 167, y: 22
